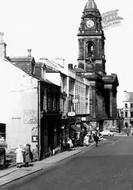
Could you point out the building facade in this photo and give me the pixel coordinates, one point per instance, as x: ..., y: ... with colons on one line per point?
x: 18, y: 100
x: 30, y: 104
x: 47, y: 137
x: 127, y: 109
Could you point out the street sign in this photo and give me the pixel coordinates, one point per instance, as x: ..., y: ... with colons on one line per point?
x: 83, y: 119
x: 71, y: 114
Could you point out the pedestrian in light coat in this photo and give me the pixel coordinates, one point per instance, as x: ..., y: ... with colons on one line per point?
x: 69, y: 144
x: 86, y: 140
x: 19, y: 156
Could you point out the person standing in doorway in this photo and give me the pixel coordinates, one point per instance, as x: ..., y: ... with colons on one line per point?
x: 27, y: 155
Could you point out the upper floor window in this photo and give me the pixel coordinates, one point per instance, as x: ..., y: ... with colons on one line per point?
x: 71, y: 86
x: 125, y: 105
x: 51, y: 100
x: 126, y: 114
x: 131, y: 113
x: 64, y: 83
x: 131, y: 105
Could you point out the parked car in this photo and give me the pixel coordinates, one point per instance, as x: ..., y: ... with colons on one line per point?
x: 113, y: 129
x: 132, y: 131
x: 107, y: 133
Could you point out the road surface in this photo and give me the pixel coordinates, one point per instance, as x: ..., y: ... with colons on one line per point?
x: 106, y: 167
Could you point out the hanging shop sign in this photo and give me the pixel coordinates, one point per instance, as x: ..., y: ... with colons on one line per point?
x: 83, y: 118
x: 71, y: 114
x: 75, y: 100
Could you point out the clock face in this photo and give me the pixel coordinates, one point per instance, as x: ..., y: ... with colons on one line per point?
x: 89, y: 23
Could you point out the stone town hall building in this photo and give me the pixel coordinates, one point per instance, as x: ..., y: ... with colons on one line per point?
x: 91, y: 65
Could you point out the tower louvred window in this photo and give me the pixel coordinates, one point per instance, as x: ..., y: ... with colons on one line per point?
x: 89, y: 49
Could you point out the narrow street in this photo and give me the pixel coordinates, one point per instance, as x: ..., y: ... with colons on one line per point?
x: 106, y: 167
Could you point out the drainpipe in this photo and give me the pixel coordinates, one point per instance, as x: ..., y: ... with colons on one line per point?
x: 39, y: 123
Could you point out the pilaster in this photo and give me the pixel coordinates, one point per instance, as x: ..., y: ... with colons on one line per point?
x: 92, y: 101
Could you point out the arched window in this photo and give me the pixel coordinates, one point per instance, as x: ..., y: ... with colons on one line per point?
x: 89, y: 49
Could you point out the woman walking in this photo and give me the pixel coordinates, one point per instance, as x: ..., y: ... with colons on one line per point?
x: 19, y: 156
x: 27, y: 155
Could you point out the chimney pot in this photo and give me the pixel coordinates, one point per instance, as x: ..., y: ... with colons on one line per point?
x: 29, y: 52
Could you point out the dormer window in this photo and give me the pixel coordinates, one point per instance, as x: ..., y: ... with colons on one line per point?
x: 43, y: 73
x: 131, y: 105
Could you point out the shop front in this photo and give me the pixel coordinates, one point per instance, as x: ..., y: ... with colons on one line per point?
x: 50, y: 134
x: 79, y: 126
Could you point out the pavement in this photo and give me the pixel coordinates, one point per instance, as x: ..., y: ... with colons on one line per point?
x: 120, y: 134
x: 13, y: 173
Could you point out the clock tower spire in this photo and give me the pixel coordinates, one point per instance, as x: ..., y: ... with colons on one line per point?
x: 91, y: 40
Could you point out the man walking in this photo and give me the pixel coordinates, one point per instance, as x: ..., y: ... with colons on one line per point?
x: 96, y: 137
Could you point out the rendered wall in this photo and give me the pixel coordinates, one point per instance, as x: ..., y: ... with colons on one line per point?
x: 18, y: 104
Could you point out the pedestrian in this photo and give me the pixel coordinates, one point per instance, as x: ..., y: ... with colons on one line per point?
x: 62, y: 143
x: 96, y: 137
x: 86, y: 140
x: 69, y: 144
x: 19, y: 156
x: 27, y: 155
x: 91, y: 137
x: 128, y: 131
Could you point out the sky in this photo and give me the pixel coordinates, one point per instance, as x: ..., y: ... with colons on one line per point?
x: 50, y: 27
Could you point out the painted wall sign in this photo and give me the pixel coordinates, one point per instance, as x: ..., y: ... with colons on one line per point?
x: 34, y: 131
x: 30, y: 117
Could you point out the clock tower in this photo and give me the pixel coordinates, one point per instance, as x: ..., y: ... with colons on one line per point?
x: 102, y: 88
x: 91, y: 40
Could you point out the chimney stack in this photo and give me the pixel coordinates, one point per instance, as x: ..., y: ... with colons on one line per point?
x: 70, y: 66
x: 2, y: 46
